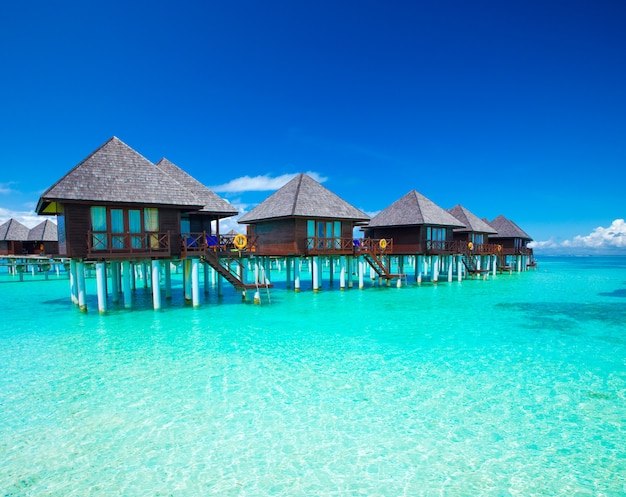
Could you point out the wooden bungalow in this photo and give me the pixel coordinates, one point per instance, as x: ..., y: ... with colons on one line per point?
x: 472, y: 240
x: 116, y: 205
x: 416, y: 225
x: 512, y: 243
x: 13, y: 235
x: 303, y: 218
x: 43, y: 239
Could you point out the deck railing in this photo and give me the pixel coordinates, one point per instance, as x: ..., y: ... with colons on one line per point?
x: 374, y: 245
x: 200, y: 243
x: 147, y: 243
x: 318, y: 245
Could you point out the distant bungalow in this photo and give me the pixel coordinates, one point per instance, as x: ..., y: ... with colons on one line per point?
x: 416, y: 226
x: 16, y: 239
x: 303, y: 218
x: 131, y: 218
x: 513, y: 241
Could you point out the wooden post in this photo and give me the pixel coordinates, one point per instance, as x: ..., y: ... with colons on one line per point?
x: 459, y: 267
x: 450, y: 267
x: 435, y: 264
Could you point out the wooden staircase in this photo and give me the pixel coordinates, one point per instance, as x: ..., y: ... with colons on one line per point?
x: 470, y: 264
x: 226, y: 271
x: 379, y: 266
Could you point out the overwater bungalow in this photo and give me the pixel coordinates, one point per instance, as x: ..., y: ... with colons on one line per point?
x: 43, y: 239
x: 415, y: 226
x: 13, y: 235
x: 512, y: 241
x: 303, y: 219
x: 472, y: 239
x: 118, y: 207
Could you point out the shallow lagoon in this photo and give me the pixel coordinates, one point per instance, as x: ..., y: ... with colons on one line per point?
x: 511, y: 386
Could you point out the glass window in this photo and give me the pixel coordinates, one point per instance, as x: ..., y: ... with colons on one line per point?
x: 99, y: 227
x: 117, y: 226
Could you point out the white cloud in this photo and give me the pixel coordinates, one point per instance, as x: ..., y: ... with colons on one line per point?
x: 261, y: 183
x: 612, y: 237
x: 601, y: 239
x: 5, y: 188
x: 27, y: 218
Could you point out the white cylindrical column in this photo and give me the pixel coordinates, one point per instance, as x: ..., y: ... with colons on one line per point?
x: 195, y: 282
x: 126, y: 288
x: 296, y: 274
x: 316, y: 273
x: 361, y: 273
x: 81, y: 287
x: 73, y: 282
x: 156, y: 285
x: 115, y: 281
x: 168, y: 280
x: 342, y: 272
x: 101, y: 286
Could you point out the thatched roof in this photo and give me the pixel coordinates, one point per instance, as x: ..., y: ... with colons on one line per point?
x: 412, y: 210
x: 13, y: 230
x: 212, y: 203
x: 472, y: 222
x: 507, y: 229
x: 44, y: 232
x: 303, y: 197
x: 117, y: 173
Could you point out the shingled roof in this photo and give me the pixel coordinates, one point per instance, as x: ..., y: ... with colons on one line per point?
x: 303, y: 197
x: 13, y: 230
x: 44, y: 232
x: 507, y: 229
x: 472, y: 222
x: 412, y: 210
x: 117, y: 173
x: 212, y: 202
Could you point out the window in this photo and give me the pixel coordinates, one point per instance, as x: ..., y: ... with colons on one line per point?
x: 323, y: 234
x: 99, y: 227
x: 111, y: 228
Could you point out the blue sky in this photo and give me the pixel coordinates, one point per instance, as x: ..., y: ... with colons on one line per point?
x: 514, y: 108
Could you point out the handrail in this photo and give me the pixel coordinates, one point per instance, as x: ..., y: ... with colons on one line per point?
x: 324, y: 245
x: 374, y: 245
x: 103, y: 243
x: 199, y: 243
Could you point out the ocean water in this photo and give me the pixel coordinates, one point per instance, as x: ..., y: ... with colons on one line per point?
x: 514, y: 385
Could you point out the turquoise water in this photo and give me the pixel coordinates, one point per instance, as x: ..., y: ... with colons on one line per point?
x: 511, y: 386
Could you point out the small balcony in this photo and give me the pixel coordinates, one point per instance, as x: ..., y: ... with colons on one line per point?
x: 107, y: 245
